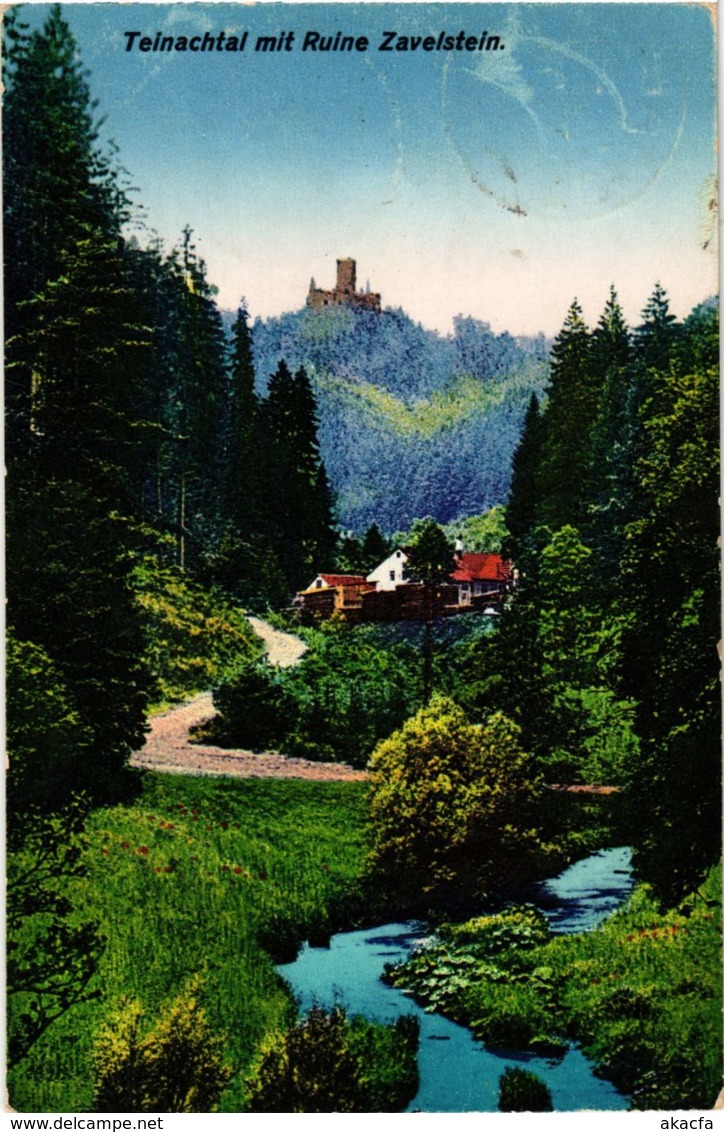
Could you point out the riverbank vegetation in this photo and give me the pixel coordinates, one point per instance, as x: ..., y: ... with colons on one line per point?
x: 454, y: 810
x: 331, y: 1063
x: 641, y: 993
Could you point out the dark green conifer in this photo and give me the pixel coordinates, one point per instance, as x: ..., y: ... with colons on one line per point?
x: 59, y: 190
x: 375, y: 548
x: 569, y: 416
x: 299, y: 499
x: 610, y: 487
x: 657, y: 335
x: 523, y: 506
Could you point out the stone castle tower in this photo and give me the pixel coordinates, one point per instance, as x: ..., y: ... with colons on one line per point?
x: 345, y: 293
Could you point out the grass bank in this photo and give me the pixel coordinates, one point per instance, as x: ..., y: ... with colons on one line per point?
x: 213, y: 876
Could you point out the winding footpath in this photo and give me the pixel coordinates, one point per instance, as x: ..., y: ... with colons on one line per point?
x: 168, y: 748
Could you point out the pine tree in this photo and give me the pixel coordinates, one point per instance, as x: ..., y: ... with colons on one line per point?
x: 68, y: 592
x: 656, y: 337
x: 243, y: 445
x: 77, y: 352
x: 375, y: 548
x: 431, y: 563
x: 90, y: 355
x: 611, y: 484
x: 200, y: 395
x: 571, y: 408
x: 59, y: 190
x: 240, y: 557
x: 300, y: 499
x: 670, y: 611
x: 522, y: 508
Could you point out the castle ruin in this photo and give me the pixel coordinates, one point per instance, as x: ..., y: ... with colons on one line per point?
x: 345, y: 293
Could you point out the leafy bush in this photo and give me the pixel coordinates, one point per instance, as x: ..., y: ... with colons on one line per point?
x: 453, y: 806
x: 348, y: 695
x: 481, y: 534
x: 329, y: 1063
x: 596, y: 730
x: 255, y: 707
x: 512, y: 1014
x: 52, y: 950
x: 517, y: 928
x: 452, y: 972
x: 523, y: 1091
x: 177, y: 1067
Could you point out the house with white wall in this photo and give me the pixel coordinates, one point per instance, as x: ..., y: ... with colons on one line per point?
x: 392, y: 572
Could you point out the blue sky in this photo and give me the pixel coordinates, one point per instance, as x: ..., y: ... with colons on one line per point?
x: 498, y: 184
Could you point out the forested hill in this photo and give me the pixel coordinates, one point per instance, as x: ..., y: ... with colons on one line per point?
x: 411, y: 422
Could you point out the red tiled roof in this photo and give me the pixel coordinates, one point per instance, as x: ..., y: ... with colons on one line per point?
x: 482, y: 568
x: 342, y: 579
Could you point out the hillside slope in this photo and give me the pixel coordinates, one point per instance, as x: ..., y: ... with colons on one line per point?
x: 411, y: 422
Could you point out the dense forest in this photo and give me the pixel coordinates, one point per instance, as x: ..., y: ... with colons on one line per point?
x: 410, y: 423
x: 613, y: 520
x: 169, y: 468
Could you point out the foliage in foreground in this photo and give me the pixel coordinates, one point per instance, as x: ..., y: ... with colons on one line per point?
x: 642, y: 993
x: 177, y: 1067
x: 453, y: 807
x: 331, y: 1063
x: 52, y: 952
x: 523, y: 1091
x: 202, y: 877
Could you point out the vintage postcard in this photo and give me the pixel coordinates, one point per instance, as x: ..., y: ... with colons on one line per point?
x: 362, y: 435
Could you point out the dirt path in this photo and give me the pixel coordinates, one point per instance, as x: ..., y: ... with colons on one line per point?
x: 168, y: 748
x: 282, y: 649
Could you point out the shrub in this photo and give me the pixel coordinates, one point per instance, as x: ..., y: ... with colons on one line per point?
x: 52, y: 949
x: 329, y: 1063
x: 48, y: 745
x: 453, y: 805
x: 255, y: 708
x: 176, y: 1068
x: 508, y: 1014
x: 523, y: 1091
x: 348, y: 695
x: 389, y: 1054
x: 517, y: 928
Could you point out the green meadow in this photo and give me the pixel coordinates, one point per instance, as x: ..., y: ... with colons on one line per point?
x: 214, y: 876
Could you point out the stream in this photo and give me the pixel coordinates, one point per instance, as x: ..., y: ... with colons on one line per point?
x: 458, y: 1073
